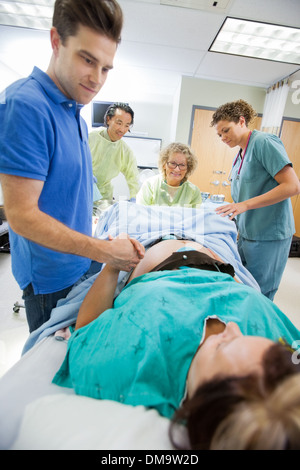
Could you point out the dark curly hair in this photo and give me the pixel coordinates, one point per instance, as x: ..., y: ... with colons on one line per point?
x: 233, y: 111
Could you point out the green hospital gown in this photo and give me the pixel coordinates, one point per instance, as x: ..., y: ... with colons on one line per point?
x: 109, y: 159
x: 139, y: 352
x: 156, y: 191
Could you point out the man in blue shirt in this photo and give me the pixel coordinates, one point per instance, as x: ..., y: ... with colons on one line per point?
x: 45, y: 161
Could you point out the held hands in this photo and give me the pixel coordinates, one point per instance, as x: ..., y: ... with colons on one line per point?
x: 232, y: 210
x: 125, y: 252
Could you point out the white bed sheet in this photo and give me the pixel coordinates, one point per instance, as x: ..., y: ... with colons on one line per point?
x: 29, y: 379
x: 32, y: 408
x: 38, y: 415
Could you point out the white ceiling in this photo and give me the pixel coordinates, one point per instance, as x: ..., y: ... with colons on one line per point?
x: 161, y: 43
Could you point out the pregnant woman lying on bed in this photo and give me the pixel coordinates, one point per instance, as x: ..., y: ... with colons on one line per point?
x: 185, y: 337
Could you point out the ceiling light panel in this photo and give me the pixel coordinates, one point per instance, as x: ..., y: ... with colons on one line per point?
x: 258, y: 40
x: 36, y: 14
x: 205, y: 5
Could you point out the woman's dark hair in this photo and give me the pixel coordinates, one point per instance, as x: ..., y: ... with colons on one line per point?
x: 103, y: 16
x: 233, y: 111
x: 246, y: 413
x: 111, y: 111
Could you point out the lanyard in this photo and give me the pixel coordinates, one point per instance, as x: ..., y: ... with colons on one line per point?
x: 242, y: 158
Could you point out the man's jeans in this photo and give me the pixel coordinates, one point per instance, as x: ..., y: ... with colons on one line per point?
x: 38, y: 307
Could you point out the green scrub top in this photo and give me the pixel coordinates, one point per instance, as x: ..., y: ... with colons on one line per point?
x: 140, y: 351
x: 265, y: 157
x: 109, y: 159
x: 155, y: 191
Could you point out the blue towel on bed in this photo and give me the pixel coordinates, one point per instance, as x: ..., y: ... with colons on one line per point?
x: 147, y: 224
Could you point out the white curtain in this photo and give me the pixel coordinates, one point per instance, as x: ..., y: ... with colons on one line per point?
x: 274, y: 107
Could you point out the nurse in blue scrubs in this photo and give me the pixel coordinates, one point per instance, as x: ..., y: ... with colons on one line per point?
x: 262, y: 183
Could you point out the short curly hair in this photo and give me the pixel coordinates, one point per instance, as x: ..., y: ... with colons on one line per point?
x: 177, y: 147
x: 233, y: 111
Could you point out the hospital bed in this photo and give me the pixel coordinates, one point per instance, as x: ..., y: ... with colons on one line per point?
x: 36, y: 414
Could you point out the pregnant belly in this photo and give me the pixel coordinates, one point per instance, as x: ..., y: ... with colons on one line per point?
x: 162, y: 250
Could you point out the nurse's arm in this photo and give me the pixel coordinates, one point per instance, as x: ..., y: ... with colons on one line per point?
x: 99, y: 298
x: 288, y: 186
x: 21, y: 202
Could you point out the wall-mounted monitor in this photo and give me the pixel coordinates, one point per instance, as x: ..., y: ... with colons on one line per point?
x: 98, y: 112
x: 146, y: 150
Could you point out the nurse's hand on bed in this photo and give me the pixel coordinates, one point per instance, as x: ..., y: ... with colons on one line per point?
x: 126, y: 252
x: 232, y: 210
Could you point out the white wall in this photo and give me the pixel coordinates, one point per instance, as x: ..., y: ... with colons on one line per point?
x: 22, y: 49
x: 150, y: 119
x: 213, y: 94
x: 157, y: 114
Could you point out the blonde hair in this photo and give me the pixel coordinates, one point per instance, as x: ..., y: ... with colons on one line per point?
x: 252, y: 412
x: 177, y: 147
x: 269, y: 424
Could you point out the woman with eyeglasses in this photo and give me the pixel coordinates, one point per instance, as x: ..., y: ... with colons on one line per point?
x: 262, y: 183
x: 171, y: 187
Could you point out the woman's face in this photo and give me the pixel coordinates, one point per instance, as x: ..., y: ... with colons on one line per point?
x: 174, y: 176
x: 227, y: 353
x: 231, y: 133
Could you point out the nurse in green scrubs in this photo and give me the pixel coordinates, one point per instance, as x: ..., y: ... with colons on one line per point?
x: 262, y: 182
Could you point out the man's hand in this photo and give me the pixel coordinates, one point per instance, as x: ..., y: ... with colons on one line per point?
x: 125, y: 252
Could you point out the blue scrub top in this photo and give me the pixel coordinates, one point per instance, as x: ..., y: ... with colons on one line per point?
x: 265, y: 157
x: 43, y: 137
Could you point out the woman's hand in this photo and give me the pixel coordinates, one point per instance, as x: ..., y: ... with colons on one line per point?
x: 288, y: 186
x: 232, y: 210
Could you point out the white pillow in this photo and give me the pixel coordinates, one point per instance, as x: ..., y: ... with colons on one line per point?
x: 66, y: 422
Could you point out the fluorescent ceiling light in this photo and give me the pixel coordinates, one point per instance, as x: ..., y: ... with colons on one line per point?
x: 258, y: 40
x: 36, y: 14
x: 207, y: 5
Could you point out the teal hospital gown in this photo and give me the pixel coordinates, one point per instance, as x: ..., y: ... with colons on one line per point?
x: 139, y: 352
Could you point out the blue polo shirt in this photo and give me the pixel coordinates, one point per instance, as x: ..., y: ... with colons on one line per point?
x: 265, y: 157
x: 43, y: 137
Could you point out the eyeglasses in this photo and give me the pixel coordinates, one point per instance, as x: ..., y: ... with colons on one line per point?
x: 173, y: 165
